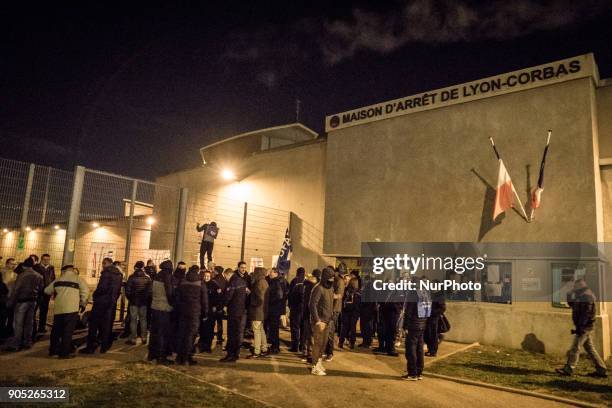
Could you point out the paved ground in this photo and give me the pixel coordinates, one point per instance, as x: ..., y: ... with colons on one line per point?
x: 354, y: 378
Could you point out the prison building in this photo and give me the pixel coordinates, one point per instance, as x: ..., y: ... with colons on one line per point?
x: 421, y: 169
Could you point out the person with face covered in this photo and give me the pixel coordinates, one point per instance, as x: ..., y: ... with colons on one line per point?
x: 321, y: 306
x: 432, y: 330
x: 582, y: 301
x: 296, y: 308
x: 192, y: 306
x: 350, y: 313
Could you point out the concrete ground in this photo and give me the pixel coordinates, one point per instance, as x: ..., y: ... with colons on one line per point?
x: 357, y: 377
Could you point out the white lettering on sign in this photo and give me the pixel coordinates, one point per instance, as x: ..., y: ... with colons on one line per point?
x: 572, y: 68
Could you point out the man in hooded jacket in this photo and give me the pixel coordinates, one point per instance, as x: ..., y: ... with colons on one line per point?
x: 296, y: 307
x: 192, y: 305
x: 321, y: 307
x: 161, y: 307
x: 582, y: 302
x: 104, y: 307
x: 258, y: 311
x: 277, y: 307
x: 306, y: 328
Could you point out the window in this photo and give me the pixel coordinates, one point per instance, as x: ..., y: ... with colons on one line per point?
x: 495, y: 280
x: 564, y: 275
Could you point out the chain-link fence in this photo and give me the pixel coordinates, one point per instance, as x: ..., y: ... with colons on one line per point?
x: 34, y: 206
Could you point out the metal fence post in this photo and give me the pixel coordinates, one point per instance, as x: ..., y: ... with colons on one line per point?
x: 180, y: 225
x: 73, y: 217
x: 244, y: 221
x: 128, y: 244
x: 26, y: 199
x: 46, y: 198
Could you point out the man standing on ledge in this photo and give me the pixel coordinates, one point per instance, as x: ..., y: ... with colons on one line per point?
x: 582, y: 302
x: 208, y: 241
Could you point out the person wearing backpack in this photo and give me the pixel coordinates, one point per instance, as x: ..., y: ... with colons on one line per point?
x: 296, y: 308
x: 350, y: 313
x: 210, y: 233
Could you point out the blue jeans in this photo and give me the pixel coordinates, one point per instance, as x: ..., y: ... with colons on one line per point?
x: 23, y: 323
x: 138, y: 313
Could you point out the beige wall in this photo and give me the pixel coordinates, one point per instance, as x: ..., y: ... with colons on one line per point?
x: 413, y: 178
x: 604, y: 110
x: 282, y: 180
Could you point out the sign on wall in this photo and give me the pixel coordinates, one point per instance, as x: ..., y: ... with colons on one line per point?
x: 572, y: 68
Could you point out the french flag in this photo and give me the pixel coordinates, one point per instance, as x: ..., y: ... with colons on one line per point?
x: 504, y: 196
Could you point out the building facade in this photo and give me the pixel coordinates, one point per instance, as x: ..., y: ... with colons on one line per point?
x: 421, y: 169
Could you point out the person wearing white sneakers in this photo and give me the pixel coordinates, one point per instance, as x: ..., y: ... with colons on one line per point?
x: 321, y: 307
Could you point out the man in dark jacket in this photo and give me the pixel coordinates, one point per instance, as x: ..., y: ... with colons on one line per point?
x: 367, y: 318
x: 277, y: 307
x: 162, y: 301
x: 321, y: 307
x: 23, y: 300
x: 582, y: 302
x: 192, y: 306
x: 236, y: 294
x: 339, y: 287
x: 104, y: 306
x: 138, y: 292
x: 258, y: 312
x: 432, y: 332
x: 306, y: 328
x: 350, y: 313
x: 47, y: 271
x: 296, y: 308
x: 417, y: 309
x: 219, y: 284
x: 389, y: 313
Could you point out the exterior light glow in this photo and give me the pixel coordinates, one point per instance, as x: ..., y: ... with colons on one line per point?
x: 95, y: 225
x: 56, y: 227
x: 228, y: 175
x: 150, y: 220
x: 5, y: 230
x: 28, y: 229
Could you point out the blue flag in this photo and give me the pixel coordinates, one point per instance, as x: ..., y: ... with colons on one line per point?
x: 283, y: 264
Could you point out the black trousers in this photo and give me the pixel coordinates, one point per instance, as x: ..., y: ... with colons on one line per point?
x: 414, y: 352
x: 432, y: 335
x: 161, y: 329
x: 219, y: 322
x: 305, y: 333
x: 333, y: 324
x: 61, y: 333
x: 43, y: 312
x: 273, y: 333
x: 207, y: 332
x: 390, y: 317
x: 187, y: 330
x: 366, y: 323
x: 295, y: 322
x: 348, y: 328
x: 235, y: 331
x: 4, y: 321
x: 100, y: 327
x: 206, y: 248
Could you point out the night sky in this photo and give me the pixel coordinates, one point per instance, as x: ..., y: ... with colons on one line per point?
x: 136, y: 90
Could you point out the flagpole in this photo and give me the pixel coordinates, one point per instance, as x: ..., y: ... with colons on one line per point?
x: 532, y: 214
x: 513, y: 190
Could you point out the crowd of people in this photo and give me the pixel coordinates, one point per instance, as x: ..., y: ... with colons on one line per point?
x: 178, y: 311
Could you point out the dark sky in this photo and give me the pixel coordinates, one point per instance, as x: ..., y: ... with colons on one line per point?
x: 137, y: 90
